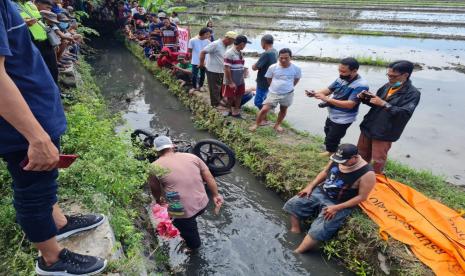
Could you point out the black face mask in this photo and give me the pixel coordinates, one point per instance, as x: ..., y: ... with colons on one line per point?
x: 346, y: 78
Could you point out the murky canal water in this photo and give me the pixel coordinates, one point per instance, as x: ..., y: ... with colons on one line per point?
x: 250, y: 236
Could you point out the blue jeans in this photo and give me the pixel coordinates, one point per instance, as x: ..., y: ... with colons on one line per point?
x: 260, y: 97
x: 246, y: 98
x: 197, y: 81
x: 306, y: 207
x: 34, y: 194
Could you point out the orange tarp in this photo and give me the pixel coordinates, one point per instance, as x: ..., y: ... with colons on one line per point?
x: 434, y: 232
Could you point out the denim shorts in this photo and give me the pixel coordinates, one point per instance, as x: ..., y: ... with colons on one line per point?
x: 306, y: 207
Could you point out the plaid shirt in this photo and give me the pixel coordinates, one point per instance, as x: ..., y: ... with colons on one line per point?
x: 170, y: 37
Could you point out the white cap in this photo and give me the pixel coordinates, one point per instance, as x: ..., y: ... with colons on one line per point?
x: 162, y: 142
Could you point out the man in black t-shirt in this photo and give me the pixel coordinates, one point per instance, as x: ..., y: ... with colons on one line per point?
x: 267, y: 58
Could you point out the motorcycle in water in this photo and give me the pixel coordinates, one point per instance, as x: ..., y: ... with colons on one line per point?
x: 219, y: 158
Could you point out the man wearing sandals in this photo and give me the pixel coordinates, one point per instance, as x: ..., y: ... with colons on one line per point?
x: 283, y: 77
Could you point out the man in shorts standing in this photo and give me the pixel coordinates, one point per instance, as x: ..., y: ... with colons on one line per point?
x: 233, y: 83
x: 283, y: 77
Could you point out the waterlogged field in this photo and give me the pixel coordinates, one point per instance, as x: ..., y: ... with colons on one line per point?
x: 435, y: 125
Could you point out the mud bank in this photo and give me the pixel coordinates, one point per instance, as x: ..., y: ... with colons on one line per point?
x: 338, y: 31
x: 334, y: 19
x: 287, y: 161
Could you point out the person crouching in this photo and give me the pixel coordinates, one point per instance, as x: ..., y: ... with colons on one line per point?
x: 345, y: 182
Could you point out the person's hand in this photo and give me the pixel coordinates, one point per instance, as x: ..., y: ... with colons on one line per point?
x: 232, y: 85
x: 306, y: 192
x: 330, y: 211
x: 321, y: 96
x: 43, y: 155
x: 202, y: 65
x: 310, y: 93
x: 30, y: 21
x: 377, y: 101
x: 218, y: 201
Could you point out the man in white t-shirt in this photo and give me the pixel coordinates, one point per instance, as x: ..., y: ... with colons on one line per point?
x: 215, y: 65
x: 282, y: 77
x: 195, y: 46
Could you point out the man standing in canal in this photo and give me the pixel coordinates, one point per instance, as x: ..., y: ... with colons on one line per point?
x: 183, y: 187
x: 346, y: 181
x: 343, y: 103
x: 31, y: 123
x: 215, y: 65
x: 267, y: 58
x: 391, y: 109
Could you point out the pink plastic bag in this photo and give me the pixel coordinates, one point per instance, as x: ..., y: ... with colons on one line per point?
x: 165, y: 227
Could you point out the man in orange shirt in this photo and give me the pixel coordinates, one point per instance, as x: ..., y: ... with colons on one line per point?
x: 391, y: 109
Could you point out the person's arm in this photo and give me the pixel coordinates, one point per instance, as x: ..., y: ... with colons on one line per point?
x: 297, y: 77
x: 367, y: 182
x: 261, y: 62
x: 228, y: 76
x: 296, y: 81
x: 269, y: 80
x: 202, y: 58
x: 406, y: 108
x: 317, y: 180
x: 42, y: 153
x: 211, y: 185
x: 155, y: 188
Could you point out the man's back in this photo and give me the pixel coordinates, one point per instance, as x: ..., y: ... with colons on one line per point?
x: 184, y: 176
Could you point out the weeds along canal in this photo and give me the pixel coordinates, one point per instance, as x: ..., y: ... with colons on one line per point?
x: 250, y: 235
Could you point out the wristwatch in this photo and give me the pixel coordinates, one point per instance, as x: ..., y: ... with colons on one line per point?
x: 387, y: 105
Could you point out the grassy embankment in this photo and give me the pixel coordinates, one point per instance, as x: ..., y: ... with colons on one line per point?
x: 372, y: 61
x: 335, y: 31
x: 288, y: 161
x: 106, y: 179
x: 274, y: 15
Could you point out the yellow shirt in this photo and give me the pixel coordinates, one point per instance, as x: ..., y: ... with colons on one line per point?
x: 29, y: 10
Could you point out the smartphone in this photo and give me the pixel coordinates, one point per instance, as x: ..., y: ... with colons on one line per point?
x: 65, y: 161
x: 310, y: 93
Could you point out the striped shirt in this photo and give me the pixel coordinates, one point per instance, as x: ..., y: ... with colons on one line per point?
x: 234, y: 59
x: 170, y: 37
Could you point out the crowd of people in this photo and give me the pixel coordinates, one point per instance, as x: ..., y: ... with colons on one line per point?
x: 42, y: 34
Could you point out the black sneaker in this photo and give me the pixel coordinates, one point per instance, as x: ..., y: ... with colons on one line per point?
x: 71, y: 264
x: 78, y: 224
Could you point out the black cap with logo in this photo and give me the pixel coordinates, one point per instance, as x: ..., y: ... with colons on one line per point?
x: 344, y: 152
x: 241, y: 39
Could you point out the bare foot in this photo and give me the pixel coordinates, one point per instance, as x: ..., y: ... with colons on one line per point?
x: 278, y: 129
x: 253, y: 128
x: 325, y: 154
x: 265, y: 123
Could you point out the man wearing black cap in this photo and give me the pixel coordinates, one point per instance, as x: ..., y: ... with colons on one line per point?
x: 267, y: 58
x: 344, y: 183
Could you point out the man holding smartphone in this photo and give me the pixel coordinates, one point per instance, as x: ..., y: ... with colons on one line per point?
x: 342, y: 102
x: 391, y: 109
x: 31, y: 123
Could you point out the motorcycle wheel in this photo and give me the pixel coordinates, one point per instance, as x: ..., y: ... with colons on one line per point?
x: 217, y: 155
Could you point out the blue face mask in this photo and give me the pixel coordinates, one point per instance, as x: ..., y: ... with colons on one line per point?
x: 63, y: 25
x: 397, y: 84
